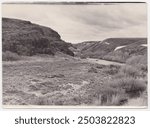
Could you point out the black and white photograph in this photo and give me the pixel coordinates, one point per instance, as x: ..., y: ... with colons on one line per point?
x: 74, y: 54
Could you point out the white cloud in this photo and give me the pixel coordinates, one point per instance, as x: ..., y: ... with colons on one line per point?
x: 76, y: 23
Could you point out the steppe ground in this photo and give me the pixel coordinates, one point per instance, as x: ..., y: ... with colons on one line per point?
x: 57, y: 80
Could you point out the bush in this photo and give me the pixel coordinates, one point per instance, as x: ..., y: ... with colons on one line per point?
x: 83, y: 57
x: 92, y: 70
x: 100, y: 66
x: 129, y: 71
x: 112, y: 69
x: 132, y: 87
x: 107, y: 95
x: 10, y: 56
x: 118, y: 91
x: 139, y: 61
x: 135, y: 87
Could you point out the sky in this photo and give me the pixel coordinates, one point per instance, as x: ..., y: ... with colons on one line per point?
x: 78, y: 23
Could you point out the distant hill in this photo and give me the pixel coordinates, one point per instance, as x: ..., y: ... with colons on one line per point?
x: 87, y: 45
x: 112, y: 48
x: 25, y: 38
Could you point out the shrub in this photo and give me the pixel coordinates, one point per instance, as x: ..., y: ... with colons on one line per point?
x: 102, y: 94
x: 92, y: 70
x: 120, y: 99
x: 139, y: 61
x: 10, y: 56
x: 108, y: 95
x: 99, y: 66
x: 111, y: 69
x: 83, y: 57
x: 132, y: 87
x: 135, y: 87
x: 129, y: 71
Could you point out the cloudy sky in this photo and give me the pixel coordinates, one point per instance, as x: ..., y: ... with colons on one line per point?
x: 77, y: 23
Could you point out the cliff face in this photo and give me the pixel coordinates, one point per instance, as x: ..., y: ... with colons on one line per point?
x: 25, y: 38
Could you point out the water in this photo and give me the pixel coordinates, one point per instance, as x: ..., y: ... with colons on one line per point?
x: 103, y: 62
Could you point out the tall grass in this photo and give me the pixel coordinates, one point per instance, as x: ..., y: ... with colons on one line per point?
x: 129, y: 71
x: 126, y: 84
x: 139, y: 61
x: 132, y: 87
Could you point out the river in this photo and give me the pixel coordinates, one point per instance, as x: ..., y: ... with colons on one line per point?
x: 103, y: 62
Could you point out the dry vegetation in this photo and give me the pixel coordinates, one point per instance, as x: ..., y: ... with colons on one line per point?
x: 49, y: 81
x: 130, y: 82
x: 57, y: 80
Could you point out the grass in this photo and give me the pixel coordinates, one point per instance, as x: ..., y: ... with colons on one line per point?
x: 119, y: 92
x: 55, y: 81
x: 139, y: 62
x: 129, y: 71
x: 129, y: 80
x: 132, y: 87
x: 49, y: 81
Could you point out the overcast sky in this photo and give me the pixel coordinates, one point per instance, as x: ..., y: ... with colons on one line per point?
x: 77, y: 23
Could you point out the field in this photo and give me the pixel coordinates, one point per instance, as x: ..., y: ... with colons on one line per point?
x: 70, y: 81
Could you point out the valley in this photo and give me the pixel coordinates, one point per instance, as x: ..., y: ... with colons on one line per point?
x: 40, y: 69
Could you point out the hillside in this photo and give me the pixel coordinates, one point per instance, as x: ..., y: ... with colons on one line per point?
x: 118, y: 49
x: 25, y: 38
x: 86, y: 45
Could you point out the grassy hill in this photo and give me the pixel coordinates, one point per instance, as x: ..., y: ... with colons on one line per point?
x: 118, y: 49
x: 25, y: 38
